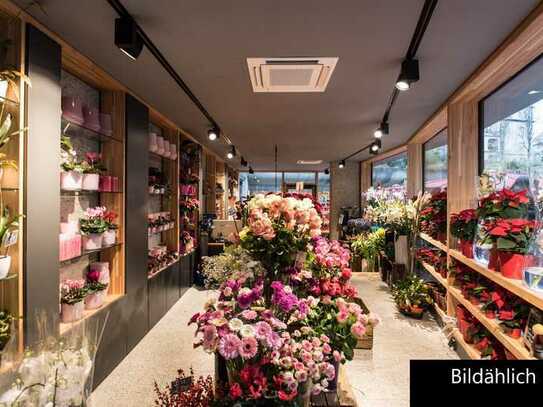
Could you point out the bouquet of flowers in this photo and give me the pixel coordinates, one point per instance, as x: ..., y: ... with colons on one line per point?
x: 93, y: 221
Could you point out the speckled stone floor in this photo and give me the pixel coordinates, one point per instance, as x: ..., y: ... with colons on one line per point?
x: 380, y: 378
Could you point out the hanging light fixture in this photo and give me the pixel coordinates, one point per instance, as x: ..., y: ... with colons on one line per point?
x: 381, y: 131
x: 375, y: 147
x: 127, y: 37
x: 327, y: 171
x: 243, y: 162
x: 408, y: 75
x: 232, y: 153
x: 213, y: 133
x: 341, y: 164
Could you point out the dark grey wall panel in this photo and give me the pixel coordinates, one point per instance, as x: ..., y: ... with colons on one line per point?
x: 172, y: 285
x: 137, y: 161
x: 157, y: 298
x: 41, y: 276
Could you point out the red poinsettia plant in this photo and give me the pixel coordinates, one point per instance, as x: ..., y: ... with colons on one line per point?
x: 510, y: 235
x: 464, y: 224
x: 504, y: 204
x: 434, y: 216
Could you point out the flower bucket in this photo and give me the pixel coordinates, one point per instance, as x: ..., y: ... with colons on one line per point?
x: 512, y: 264
x: 533, y: 278
x: 96, y: 299
x: 91, y: 182
x: 110, y: 237
x: 93, y: 241
x: 466, y: 247
x: 5, y: 264
x: 71, y: 312
x: 71, y: 180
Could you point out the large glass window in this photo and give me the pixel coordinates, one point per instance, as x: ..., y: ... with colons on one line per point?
x: 259, y: 182
x: 435, y: 162
x: 512, y: 129
x: 390, y: 172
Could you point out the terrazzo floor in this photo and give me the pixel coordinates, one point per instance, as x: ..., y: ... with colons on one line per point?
x: 380, y: 377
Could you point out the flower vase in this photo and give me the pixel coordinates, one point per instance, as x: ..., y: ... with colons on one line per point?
x: 110, y: 237
x: 466, y: 247
x: 71, y: 181
x: 96, y: 299
x: 91, y: 182
x: 5, y: 264
x: 72, y: 312
x: 93, y: 241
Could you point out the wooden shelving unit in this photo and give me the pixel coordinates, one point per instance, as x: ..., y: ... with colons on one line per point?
x: 515, y: 346
x: 469, y: 349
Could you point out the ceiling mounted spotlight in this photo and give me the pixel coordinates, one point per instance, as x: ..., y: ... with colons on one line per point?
x: 213, y: 134
x: 408, y: 75
x: 251, y: 171
x: 127, y: 37
x: 232, y: 153
x: 381, y: 131
x: 375, y: 147
x: 341, y: 164
x: 243, y: 162
x: 327, y: 171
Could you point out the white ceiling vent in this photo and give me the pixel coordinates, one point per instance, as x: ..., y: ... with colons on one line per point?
x: 290, y: 74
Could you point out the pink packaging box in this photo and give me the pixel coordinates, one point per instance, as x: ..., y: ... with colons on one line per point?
x: 70, y: 246
x: 114, y: 184
x: 106, y: 182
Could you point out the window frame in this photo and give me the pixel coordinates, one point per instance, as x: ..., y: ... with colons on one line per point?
x: 445, y: 129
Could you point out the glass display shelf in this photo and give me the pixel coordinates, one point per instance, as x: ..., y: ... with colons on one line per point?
x: 88, y: 252
x: 70, y: 128
x: 86, y: 192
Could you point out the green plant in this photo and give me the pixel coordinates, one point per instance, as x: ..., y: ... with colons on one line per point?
x: 411, y: 292
x: 369, y: 245
x: 94, y: 286
x: 6, y: 320
x: 68, y: 155
x: 72, y: 291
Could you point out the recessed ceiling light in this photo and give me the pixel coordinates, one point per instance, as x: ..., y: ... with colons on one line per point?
x: 309, y: 162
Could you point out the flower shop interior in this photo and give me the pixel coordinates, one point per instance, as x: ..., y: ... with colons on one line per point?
x: 211, y: 203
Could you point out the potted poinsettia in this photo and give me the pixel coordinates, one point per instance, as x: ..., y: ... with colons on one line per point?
x: 92, y: 167
x: 110, y: 235
x: 511, y: 238
x: 504, y: 204
x: 72, y: 296
x: 71, y: 177
x: 464, y: 228
x: 93, y: 225
x: 96, y: 291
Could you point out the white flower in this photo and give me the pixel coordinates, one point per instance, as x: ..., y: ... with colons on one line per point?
x: 247, y: 331
x: 235, y: 324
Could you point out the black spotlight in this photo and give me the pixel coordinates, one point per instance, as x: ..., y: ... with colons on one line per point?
x: 341, y: 164
x: 243, y: 162
x: 251, y: 171
x: 232, y: 153
x: 213, y: 134
x: 375, y: 147
x: 408, y: 75
x: 381, y: 131
x: 327, y: 171
x: 127, y: 37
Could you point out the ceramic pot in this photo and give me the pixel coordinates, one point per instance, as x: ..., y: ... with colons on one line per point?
x: 466, y: 247
x: 105, y: 183
x: 5, y: 264
x: 512, y: 264
x: 110, y: 237
x: 91, y: 117
x: 72, y: 109
x: 71, y: 180
x: 96, y: 299
x: 91, y: 182
x: 71, y: 312
x: 93, y: 241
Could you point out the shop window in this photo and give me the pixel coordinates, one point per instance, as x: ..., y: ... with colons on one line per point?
x: 511, y: 131
x: 391, y: 172
x: 304, y: 182
x: 435, y: 162
x: 258, y: 183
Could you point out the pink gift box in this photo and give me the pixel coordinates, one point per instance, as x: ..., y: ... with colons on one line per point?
x: 70, y: 246
x: 106, y: 183
x: 114, y: 184
x: 69, y: 228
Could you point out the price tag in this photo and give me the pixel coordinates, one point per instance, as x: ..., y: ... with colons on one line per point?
x: 181, y: 385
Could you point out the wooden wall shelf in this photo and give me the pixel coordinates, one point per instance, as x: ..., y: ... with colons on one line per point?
x: 469, y: 349
x: 435, y: 274
x: 110, y: 299
x: 434, y: 242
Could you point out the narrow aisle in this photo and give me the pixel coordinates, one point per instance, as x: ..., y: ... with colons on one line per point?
x: 157, y: 357
x: 380, y: 377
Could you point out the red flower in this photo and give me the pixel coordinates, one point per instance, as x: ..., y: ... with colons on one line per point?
x: 235, y: 391
x: 498, y: 231
x: 506, y: 315
x: 350, y: 291
x: 346, y: 273
x: 286, y: 396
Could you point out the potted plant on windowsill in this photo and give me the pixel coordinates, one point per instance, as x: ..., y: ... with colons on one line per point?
x: 464, y: 228
x: 110, y: 235
x: 93, y: 225
x: 92, y: 168
x: 511, y: 238
x: 72, y: 296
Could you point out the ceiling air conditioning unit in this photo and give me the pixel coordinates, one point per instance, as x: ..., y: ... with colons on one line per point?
x: 290, y: 74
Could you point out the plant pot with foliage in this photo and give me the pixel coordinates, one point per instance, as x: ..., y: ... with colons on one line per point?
x: 464, y: 227
x: 71, y: 176
x: 412, y: 296
x: 96, y: 294
x: 92, y: 168
x: 110, y: 235
x: 92, y: 226
x: 73, y: 293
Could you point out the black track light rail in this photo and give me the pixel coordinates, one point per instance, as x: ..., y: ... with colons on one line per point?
x: 416, y: 39
x: 123, y: 12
